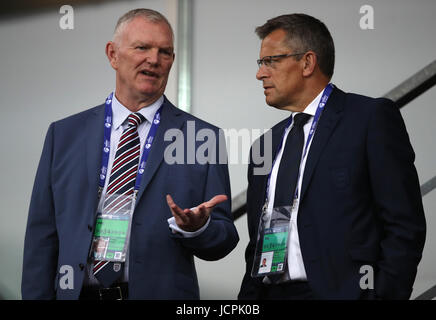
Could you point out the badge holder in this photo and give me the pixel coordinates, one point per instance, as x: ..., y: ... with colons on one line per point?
x: 271, y: 253
x: 112, y: 228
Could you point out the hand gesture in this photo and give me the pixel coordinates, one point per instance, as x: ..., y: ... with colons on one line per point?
x: 193, y: 219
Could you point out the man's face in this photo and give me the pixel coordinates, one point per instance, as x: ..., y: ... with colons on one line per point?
x: 282, y: 80
x: 142, y: 57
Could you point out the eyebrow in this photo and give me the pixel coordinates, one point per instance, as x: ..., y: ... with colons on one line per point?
x: 144, y: 44
x: 138, y: 43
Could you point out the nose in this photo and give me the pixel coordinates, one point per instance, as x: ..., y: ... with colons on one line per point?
x: 152, y: 56
x: 261, y: 73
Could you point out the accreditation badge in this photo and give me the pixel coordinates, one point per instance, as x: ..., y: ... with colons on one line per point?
x: 271, y: 253
x: 112, y: 228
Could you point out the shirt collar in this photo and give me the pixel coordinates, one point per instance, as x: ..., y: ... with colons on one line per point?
x: 311, y: 108
x: 120, y: 112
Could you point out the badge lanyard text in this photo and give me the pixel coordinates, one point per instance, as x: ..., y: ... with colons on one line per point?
x: 107, y: 138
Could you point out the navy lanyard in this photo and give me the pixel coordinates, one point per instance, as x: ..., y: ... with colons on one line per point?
x: 327, y: 91
x: 107, y: 143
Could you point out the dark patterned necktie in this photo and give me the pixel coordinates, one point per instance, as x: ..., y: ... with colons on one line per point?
x: 120, y: 187
x: 287, y: 175
x: 290, y: 163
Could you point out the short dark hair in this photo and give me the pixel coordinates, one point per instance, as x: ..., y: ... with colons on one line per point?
x: 304, y: 33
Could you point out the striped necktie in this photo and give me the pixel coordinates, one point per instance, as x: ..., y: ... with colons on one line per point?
x: 121, y: 185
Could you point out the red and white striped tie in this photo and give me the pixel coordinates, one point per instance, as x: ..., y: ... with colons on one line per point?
x: 121, y: 185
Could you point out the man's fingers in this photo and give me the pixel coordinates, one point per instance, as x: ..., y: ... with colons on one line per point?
x: 216, y: 200
x: 203, y: 211
x: 172, y: 204
x: 194, y: 218
x: 177, y: 212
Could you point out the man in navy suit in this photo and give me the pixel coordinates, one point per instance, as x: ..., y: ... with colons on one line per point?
x: 164, y: 238
x: 356, y: 223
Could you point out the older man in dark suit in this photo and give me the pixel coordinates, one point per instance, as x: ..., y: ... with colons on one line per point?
x: 102, y: 221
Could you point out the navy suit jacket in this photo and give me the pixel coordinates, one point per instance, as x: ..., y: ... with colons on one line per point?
x: 64, y: 202
x: 360, y: 203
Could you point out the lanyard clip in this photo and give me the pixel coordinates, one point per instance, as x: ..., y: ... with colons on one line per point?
x: 100, y: 191
x: 265, y: 206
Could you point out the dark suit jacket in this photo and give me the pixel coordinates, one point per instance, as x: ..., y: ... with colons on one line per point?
x: 360, y: 203
x: 64, y: 201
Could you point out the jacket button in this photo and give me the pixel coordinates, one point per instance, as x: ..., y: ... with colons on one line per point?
x: 81, y: 266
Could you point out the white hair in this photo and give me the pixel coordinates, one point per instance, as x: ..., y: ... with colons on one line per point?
x: 149, y: 14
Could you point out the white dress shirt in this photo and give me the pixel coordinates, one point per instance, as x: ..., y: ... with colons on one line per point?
x: 296, y: 269
x: 119, y: 120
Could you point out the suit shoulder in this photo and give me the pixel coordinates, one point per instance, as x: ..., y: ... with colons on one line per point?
x: 358, y: 105
x: 366, y: 101
x: 80, y: 116
x: 199, y: 123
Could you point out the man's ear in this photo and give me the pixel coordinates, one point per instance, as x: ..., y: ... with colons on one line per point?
x: 309, y: 62
x: 174, y: 58
x: 112, y: 54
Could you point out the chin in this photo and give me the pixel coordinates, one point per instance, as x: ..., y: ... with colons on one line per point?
x: 271, y: 103
x: 275, y: 105
x: 147, y: 91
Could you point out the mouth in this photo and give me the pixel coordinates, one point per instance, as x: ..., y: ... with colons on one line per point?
x: 266, y: 88
x: 150, y: 73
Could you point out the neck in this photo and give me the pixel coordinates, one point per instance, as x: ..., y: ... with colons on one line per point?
x: 308, y: 93
x: 135, y: 103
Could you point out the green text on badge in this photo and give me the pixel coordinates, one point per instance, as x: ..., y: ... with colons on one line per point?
x: 111, y: 228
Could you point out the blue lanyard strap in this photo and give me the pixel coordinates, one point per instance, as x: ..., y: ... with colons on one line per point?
x: 326, y: 94
x: 107, y: 143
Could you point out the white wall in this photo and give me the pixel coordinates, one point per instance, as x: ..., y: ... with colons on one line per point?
x: 48, y: 73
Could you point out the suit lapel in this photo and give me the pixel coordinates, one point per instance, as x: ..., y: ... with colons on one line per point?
x: 170, y: 119
x: 94, y: 138
x: 327, y: 123
x: 262, y: 180
x: 277, y: 134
